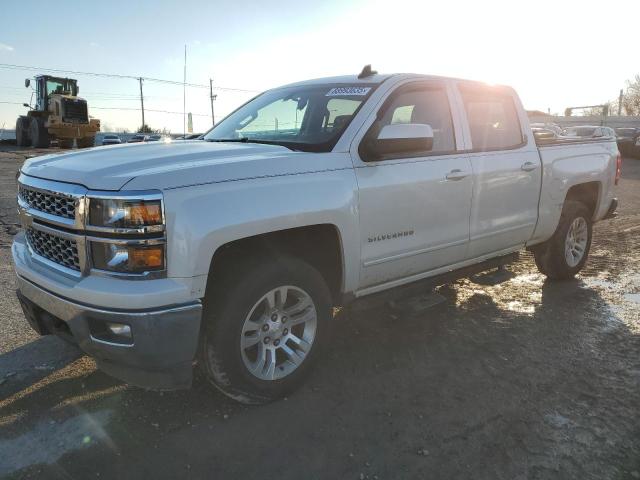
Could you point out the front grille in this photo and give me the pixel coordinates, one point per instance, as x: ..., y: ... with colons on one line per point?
x: 74, y: 111
x: 51, y: 203
x: 59, y: 250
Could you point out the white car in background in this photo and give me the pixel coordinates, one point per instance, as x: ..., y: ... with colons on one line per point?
x: 111, y: 140
x: 590, y: 131
x: 552, y: 127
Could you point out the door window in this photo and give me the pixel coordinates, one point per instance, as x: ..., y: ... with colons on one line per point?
x: 426, y: 105
x: 493, y: 119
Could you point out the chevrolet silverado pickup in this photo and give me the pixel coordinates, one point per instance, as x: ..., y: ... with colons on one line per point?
x: 231, y: 253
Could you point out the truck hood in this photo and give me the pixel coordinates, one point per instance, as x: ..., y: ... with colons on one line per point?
x: 176, y: 164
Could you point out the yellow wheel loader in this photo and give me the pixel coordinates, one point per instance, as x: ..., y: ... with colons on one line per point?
x: 59, y: 114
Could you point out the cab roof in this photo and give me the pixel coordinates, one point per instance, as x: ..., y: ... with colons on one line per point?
x: 377, y: 79
x: 345, y: 79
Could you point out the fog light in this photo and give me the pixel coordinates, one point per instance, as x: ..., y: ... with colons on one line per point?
x: 110, y: 332
x: 119, y: 329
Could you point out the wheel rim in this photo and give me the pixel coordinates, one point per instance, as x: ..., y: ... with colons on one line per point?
x: 278, y: 333
x: 575, y: 244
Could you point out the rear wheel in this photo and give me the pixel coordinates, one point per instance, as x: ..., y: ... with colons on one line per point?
x: 263, y: 329
x: 65, y: 142
x: 39, y: 135
x: 22, y: 132
x: 86, y: 142
x: 564, y: 254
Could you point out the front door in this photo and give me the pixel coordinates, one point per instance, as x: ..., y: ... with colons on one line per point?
x: 414, y: 210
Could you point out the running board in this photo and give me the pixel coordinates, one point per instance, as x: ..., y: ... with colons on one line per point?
x: 424, y: 286
x: 492, y: 278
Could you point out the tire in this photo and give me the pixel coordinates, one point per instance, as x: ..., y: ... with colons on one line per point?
x: 22, y: 132
x: 236, y: 310
x: 553, y: 258
x: 86, y: 142
x: 65, y: 142
x: 39, y: 135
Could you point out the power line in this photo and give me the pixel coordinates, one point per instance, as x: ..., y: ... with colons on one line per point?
x: 10, y: 66
x: 149, y: 110
x: 131, y: 109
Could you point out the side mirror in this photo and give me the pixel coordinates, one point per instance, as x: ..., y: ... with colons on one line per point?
x: 27, y: 82
x: 26, y: 105
x: 402, y: 138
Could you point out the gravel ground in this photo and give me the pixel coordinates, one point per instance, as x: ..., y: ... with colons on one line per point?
x: 522, y: 380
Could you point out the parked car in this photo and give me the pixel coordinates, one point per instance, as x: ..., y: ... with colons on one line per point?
x: 235, y: 250
x: 590, y: 131
x: 190, y: 136
x: 111, y: 140
x: 543, y: 133
x: 627, y: 138
x: 553, y: 127
x: 138, y: 138
x: 159, y: 138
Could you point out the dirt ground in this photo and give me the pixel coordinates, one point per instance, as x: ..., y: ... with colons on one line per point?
x: 522, y: 380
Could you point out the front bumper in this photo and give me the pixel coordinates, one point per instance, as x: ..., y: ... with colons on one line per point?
x: 74, y: 130
x: 163, y: 340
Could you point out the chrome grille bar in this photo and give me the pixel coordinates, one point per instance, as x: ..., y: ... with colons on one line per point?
x: 63, y: 251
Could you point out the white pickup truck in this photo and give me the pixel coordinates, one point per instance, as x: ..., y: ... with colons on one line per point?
x: 234, y: 250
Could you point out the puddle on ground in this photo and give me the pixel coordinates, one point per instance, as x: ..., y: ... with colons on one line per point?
x: 632, y: 297
x: 591, y: 282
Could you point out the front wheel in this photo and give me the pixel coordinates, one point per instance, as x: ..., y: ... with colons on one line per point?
x: 86, y: 142
x: 38, y: 133
x: 65, y: 143
x: 564, y: 254
x: 263, y: 328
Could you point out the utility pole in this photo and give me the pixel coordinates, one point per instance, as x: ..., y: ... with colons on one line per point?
x: 620, y: 103
x: 212, y: 97
x: 141, y: 102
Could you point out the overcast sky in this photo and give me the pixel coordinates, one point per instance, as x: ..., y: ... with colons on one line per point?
x: 555, y: 53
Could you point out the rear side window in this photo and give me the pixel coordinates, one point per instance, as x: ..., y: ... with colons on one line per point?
x: 427, y: 105
x: 493, y: 119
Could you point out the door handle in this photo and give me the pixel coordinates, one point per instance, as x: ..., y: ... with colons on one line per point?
x: 456, y: 174
x: 528, y: 166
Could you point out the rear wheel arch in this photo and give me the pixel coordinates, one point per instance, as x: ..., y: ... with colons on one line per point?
x: 587, y: 193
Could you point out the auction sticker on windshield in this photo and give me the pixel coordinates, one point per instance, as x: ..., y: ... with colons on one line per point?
x: 339, y: 91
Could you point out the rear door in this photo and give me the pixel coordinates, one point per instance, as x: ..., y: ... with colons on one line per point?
x: 506, y: 169
x: 414, y: 210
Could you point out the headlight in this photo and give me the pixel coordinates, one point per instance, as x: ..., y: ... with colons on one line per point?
x: 126, y: 233
x: 126, y: 213
x: 127, y: 258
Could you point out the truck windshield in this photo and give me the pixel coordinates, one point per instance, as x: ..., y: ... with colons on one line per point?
x: 308, y: 118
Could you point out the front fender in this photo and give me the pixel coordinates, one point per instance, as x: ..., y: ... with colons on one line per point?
x: 201, y: 219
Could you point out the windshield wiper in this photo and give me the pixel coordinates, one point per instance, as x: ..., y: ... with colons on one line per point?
x: 241, y: 139
x: 252, y: 140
